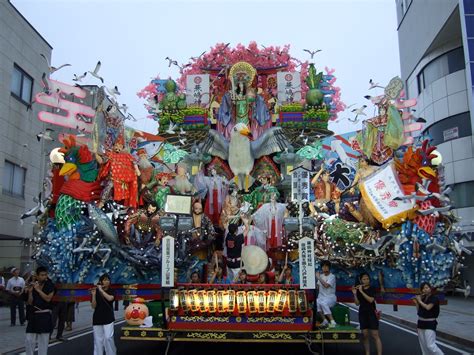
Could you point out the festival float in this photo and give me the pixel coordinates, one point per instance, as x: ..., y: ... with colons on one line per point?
x: 243, y: 140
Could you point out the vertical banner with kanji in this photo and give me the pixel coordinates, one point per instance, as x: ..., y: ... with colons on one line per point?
x: 382, y: 194
x: 307, y: 276
x: 167, y: 262
x: 289, y: 86
x: 300, y: 184
x: 197, y: 89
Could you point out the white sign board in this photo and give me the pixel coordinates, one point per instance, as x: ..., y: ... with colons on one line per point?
x: 167, y: 262
x: 197, y: 89
x: 379, y: 191
x: 307, y: 276
x: 289, y: 86
x: 451, y: 133
x: 300, y: 184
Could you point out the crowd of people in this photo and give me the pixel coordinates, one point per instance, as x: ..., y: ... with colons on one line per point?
x: 43, y: 314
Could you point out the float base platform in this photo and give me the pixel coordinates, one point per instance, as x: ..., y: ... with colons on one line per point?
x: 341, y: 334
x: 244, y: 322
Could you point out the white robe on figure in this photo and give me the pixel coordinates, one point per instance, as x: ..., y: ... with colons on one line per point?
x: 206, y: 185
x: 254, y: 236
x: 263, y: 220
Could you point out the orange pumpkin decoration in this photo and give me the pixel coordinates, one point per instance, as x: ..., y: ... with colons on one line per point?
x: 136, y: 312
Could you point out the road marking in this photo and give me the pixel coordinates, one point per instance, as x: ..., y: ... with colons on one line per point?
x: 90, y: 331
x: 73, y: 337
x: 416, y: 334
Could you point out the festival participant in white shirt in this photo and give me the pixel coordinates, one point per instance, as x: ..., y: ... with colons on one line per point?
x: 15, y: 287
x: 327, y: 293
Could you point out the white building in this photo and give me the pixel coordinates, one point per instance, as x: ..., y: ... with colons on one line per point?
x: 435, y: 59
x: 22, y: 161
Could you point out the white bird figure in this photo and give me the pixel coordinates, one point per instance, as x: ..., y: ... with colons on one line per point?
x: 154, y: 104
x: 459, y: 248
x: 466, y: 291
x: 131, y: 117
x: 171, y: 61
x: 124, y: 108
x: 51, y: 68
x: 378, y: 246
x: 182, y: 131
x: 79, y: 77
x: 359, y: 111
x: 46, y: 85
x: 82, y: 132
x: 240, y: 152
x: 312, y: 53
x: 113, y: 91
x: 171, y: 128
x: 375, y: 99
x: 182, y: 141
x: 399, y: 240
x: 199, y: 57
x: 95, y: 73
x: 221, y: 51
x: 36, y: 210
x: 374, y: 85
x: 46, y: 135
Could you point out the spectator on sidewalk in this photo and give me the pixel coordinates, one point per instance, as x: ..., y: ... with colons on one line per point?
x: 427, y: 306
x: 103, y: 318
x: 40, y: 324
x: 364, y: 297
x: 15, y: 287
x: 327, y: 294
x: 2, y: 288
x: 70, y: 315
x: 59, y: 319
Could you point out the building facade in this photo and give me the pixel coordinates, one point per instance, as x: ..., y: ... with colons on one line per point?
x: 435, y: 61
x: 22, y: 161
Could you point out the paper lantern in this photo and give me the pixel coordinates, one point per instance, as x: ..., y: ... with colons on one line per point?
x: 174, y: 299
x: 252, y: 301
x: 241, y: 301
x: 292, y: 301
x: 262, y: 301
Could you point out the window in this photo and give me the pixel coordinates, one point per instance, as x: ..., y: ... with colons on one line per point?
x: 450, y: 128
x: 462, y: 195
x: 13, y: 179
x: 22, y: 85
x: 445, y: 64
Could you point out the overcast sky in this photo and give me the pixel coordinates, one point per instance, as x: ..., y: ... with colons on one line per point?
x: 132, y: 38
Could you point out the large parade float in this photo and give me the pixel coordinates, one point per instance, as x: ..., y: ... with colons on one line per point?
x: 243, y: 140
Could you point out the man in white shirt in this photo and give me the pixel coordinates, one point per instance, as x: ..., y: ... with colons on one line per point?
x: 15, y: 287
x: 327, y: 293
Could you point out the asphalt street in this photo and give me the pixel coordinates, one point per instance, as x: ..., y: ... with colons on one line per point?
x: 396, y: 340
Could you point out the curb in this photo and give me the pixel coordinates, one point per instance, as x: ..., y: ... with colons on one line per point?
x: 439, y: 334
